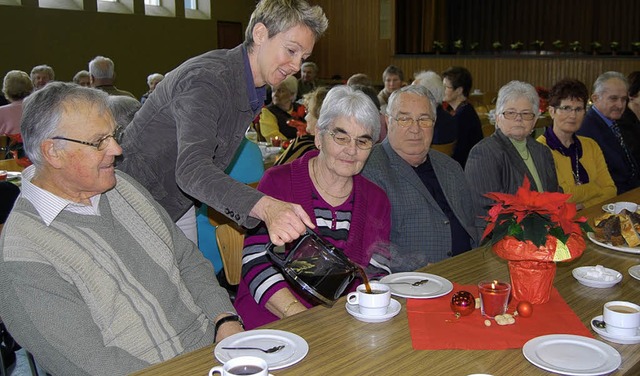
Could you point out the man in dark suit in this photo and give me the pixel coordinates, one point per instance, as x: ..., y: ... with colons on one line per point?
x: 610, y: 96
x: 431, y: 205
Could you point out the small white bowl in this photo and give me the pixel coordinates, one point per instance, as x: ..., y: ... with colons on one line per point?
x: 581, y: 275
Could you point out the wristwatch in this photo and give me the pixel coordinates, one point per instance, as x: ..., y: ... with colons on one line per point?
x: 223, y: 320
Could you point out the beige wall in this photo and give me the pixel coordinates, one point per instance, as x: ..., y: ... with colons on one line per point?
x: 139, y: 45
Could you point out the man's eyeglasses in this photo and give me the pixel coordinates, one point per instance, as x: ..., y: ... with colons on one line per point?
x: 423, y: 122
x: 512, y: 115
x: 565, y: 110
x: 344, y: 139
x: 100, y: 144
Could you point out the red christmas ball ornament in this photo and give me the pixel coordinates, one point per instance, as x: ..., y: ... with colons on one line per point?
x: 463, y: 303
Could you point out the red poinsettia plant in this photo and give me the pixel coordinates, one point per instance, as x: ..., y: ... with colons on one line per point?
x: 17, y: 150
x: 532, y: 225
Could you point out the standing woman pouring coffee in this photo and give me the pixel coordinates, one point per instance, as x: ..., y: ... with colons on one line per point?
x: 348, y: 210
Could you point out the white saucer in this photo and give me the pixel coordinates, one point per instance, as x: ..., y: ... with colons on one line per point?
x: 581, y: 275
x: 392, y: 310
x: 623, y: 340
x: 634, y: 271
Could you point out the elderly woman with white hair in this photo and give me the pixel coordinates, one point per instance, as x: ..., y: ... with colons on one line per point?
x: 445, y: 130
x: 41, y: 75
x: 274, y: 118
x: 349, y: 211
x: 501, y: 162
x: 152, y: 81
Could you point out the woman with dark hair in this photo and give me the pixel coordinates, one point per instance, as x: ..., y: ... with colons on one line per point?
x: 580, y: 165
x: 457, y: 86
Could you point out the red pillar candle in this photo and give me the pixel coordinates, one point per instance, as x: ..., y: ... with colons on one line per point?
x: 276, y: 141
x: 494, y: 297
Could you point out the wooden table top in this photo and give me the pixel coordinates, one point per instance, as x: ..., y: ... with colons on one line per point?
x: 341, y: 345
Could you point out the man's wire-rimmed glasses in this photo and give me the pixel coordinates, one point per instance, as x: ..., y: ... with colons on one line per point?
x: 100, y: 144
x: 406, y: 121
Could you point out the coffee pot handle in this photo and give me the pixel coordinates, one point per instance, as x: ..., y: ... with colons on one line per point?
x: 275, y: 258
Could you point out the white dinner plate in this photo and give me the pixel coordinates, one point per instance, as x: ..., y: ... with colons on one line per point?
x: 11, y: 175
x: 615, y: 248
x: 295, y: 347
x: 623, y: 340
x: 437, y: 286
x: 392, y: 311
x: 581, y: 275
x: 573, y: 355
x: 634, y: 271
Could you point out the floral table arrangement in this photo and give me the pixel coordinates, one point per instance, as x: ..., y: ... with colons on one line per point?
x: 533, y: 230
x: 17, y: 150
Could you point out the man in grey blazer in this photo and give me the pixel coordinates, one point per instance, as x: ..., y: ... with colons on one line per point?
x: 431, y: 207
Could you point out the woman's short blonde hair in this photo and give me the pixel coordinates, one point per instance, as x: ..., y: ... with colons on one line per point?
x: 17, y: 85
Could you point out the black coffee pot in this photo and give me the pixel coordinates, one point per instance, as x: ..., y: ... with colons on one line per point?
x: 315, y: 267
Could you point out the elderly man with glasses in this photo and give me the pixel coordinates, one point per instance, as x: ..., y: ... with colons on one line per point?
x: 431, y: 207
x: 95, y: 277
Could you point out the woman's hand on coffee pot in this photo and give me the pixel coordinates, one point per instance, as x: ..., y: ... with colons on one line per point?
x: 285, y: 221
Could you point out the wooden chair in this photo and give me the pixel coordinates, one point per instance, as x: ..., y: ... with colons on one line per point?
x: 487, y: 128
x: 10, y: 165
x: 230, y: 243
x: 445, y: 148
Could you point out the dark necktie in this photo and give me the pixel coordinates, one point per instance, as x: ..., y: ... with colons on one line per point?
x: 630, y: 160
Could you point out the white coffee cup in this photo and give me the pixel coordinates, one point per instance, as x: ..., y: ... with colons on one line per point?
x: 374, y: 304
x: 242, y: 365
x: 621, y: 318
x: 617, y: 207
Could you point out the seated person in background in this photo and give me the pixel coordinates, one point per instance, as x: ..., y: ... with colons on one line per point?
x: 371, y: 93
x: 610, y: 95
x: 630, y: 121
x: 103, y: 76
x: 457, y: 86
x: 82, y: 78
x: 446, y: 129
x: 302, y: 144
x: 500, y: 162
x: 123, y: 109
x: 431, y: 207
x: 274, y: 117
x: 393, y: 79
x: 16, y: 86
x: 307, y: 82
x: 95, y: 278
x: 580, y: 166
x: 359, y: 79
x: 349, y: 211
x: 41, y: 75
x: 152, y: 81
x: 9, y: 192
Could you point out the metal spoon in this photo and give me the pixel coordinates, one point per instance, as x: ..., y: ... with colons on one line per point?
x: 416, y: 283
x: 599, y: 324
x: 267, y: 351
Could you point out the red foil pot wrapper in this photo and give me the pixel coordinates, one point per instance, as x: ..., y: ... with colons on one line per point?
x: 532, y: 281
x: 532, y: 268
x: 512, y: 249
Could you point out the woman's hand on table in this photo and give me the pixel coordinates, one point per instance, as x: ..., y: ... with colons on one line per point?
x: 285, y: 221
x: 284, y: 304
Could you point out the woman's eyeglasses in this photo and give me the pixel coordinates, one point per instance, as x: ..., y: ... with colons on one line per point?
x: 565, y: 110
x: 513, y: 115
x: 344, y: 139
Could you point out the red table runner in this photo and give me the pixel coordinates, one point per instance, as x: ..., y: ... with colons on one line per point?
x: 433, y: 325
